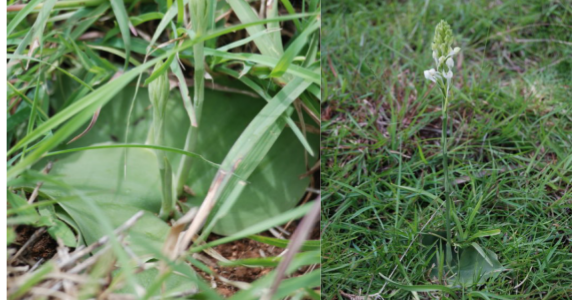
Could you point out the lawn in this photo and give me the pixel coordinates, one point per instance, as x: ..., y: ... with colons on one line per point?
x: 509, y: 146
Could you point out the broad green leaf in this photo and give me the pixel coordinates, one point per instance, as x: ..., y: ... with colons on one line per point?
x: 62, y: 231
x: 468, y: 266
x: 105, y: 183
x: 482, y: 252
x: 274, y: 187
x: 247, y: 153
x: 149, y: 227
x: 287, y: 116
x: 18, y: 203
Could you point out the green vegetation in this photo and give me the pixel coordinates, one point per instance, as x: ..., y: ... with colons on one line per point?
x: 509, y: 149
x: 138, y: 128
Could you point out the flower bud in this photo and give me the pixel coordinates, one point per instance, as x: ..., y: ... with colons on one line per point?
x: 159, y: 91
x: 443, y: 39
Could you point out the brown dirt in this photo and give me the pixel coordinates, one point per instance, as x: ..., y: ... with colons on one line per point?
x: 43, y: 248
x: 241, y: 249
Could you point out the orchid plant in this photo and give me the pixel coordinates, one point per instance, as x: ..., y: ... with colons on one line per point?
x: 475, y: 264
x: 443, y: 56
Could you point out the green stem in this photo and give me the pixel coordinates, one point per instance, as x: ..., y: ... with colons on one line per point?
x: 186, y: 161
x: 168, y: 201
x: 446, y: 178
x: 197, y: 8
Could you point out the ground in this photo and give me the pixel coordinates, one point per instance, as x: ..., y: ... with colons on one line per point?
x: 44, y: 247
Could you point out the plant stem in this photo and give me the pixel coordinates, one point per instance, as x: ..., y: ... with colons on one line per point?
x: 446, y: 178
x: 186, y: 161
x: 168, y: 200
x: 196, y: 9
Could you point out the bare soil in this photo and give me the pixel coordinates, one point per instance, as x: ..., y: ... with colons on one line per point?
x: 43, y: 248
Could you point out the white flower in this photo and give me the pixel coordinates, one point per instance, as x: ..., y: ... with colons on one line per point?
x: 448, y: 75
x: 454, y: 51
x: 432, y: 75
x: 450, y: 63
x: 448, y: 60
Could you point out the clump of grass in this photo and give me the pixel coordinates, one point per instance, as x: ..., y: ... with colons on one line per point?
x: 96, y: 130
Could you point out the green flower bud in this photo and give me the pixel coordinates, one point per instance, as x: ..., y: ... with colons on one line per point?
x: 159, y: 91
x: 443, y: 39
x: 442, y: 47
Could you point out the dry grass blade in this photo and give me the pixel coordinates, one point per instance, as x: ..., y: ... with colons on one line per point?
x: 92, y: 122
x: 203, y: 213
x: 28, y: 243
x: 62, y: 277
x: 176, y: 230
x: 103, y: 240
x: 299, y: 236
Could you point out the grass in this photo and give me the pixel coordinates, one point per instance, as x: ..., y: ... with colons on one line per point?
x: 235, y: 140
x: 509, y: 145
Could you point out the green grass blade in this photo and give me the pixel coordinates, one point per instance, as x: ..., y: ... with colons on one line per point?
x: 272, y: 12
x: 34, y: 38
x: 161, y: 70
x: 184, y: 90
x: 293, y: 50
x: 484, y: 233
x: 247, y: 15
x: 305, y: 73
x: 21, y: 15
x: 310, y: 245
x: 421, y: 288
x: 79, y: 111
x: 244, y: 41
x: 123, y: 23
x: 285, y: 217
x: 254, y: 143
x: 287, y: 116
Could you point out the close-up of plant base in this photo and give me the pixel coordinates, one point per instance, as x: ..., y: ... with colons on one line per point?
x: 288, y: 150
x: 163, y: 149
